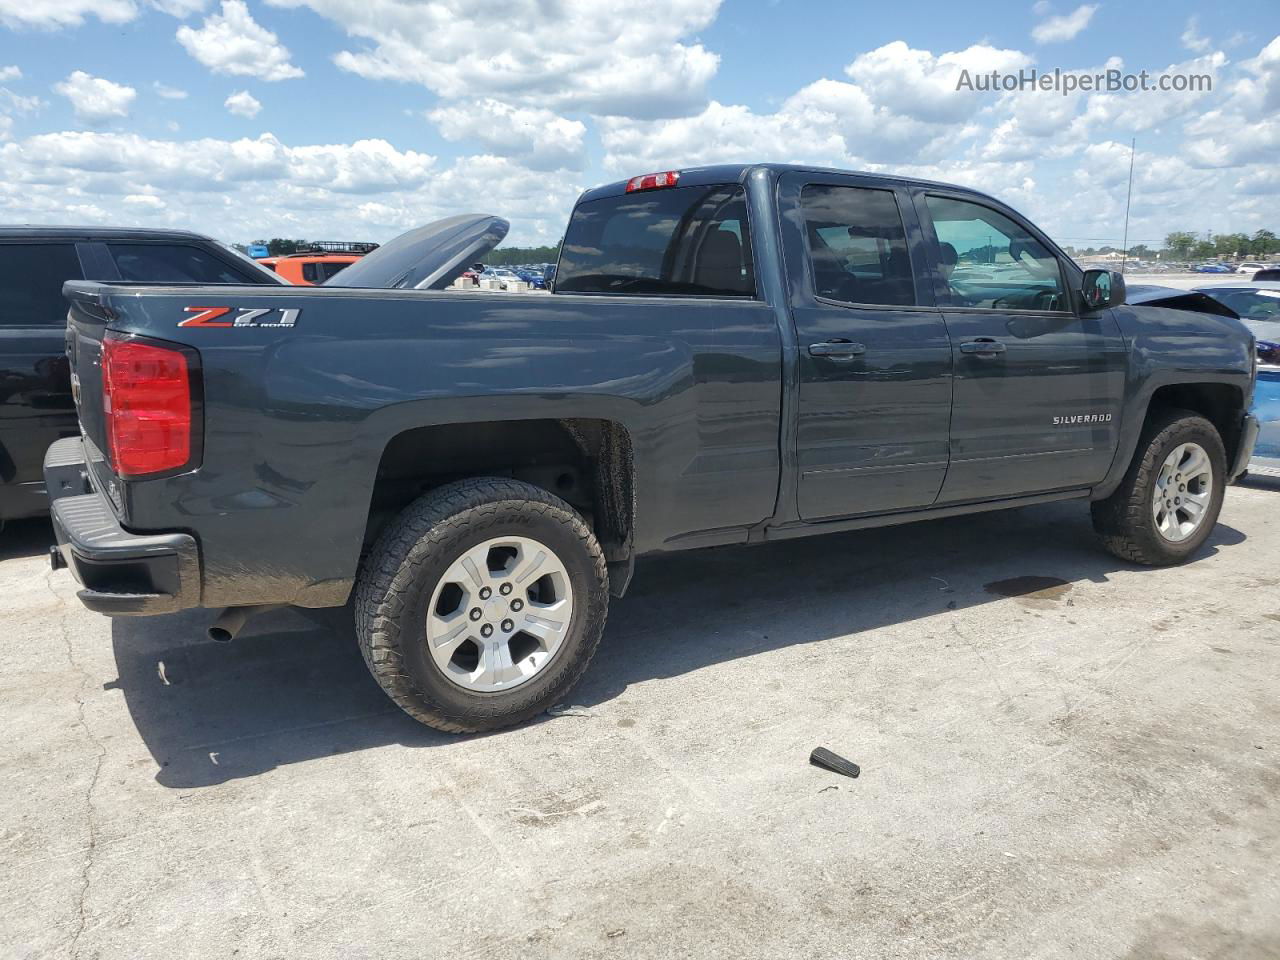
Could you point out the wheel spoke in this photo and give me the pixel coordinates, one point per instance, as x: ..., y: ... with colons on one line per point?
x: 544, y: 628
x: 495, y: 666
x: 529, y: 569
x: 1196, y: 464
x: 476, y: 564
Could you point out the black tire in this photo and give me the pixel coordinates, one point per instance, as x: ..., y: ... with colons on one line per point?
x: 411, y: 556
x: 1125, y: 521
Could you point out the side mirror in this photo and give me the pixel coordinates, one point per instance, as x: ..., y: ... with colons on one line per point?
x: 1102, y: 289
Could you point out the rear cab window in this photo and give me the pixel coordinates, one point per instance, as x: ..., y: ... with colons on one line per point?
x: 173, y: 263
x: 670, y: 242
x: 31, y: 279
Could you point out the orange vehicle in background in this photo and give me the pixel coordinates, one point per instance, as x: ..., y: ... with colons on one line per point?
x: 318, y: 262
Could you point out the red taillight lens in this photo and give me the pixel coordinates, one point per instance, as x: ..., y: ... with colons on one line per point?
x: 147, y: 404
x: 653, y: 181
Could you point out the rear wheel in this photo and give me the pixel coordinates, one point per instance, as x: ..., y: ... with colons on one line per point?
x: 1170, y: 498
x: 482, y: 604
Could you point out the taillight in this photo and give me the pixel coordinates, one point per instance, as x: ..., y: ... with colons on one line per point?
x: 147, y: 403
x: 653, y: 181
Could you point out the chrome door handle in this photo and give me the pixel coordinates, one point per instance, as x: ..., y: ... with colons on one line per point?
x: 837, y: 350
x: 982, y: 347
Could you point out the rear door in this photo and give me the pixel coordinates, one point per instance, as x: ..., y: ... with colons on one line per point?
x: 1038, y: 386
x: 35, y: 404
x: 875, y: 359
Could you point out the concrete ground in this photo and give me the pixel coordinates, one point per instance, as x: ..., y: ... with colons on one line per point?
x: 1091, y: 769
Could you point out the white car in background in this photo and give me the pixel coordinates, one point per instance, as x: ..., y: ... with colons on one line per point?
x: 1250, y: 267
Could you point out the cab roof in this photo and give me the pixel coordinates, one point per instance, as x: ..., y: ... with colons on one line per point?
x: 738, y: 173
x: 30, y: 231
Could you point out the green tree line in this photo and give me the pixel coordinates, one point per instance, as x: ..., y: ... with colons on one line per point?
x: 1185, y: 245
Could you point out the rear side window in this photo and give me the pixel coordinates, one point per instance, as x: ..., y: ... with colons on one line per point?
x: 857, y: 245
x: 173, y: 263
x: 31, y: 278
x: 682, y: 241
x: 319, y: 272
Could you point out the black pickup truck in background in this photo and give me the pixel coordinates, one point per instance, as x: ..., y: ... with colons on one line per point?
x: 731, y: 354
x: 36, y: 407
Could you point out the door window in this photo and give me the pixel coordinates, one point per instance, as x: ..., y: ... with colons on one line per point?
x: 31, y: 278
x: 989, y: 261
x: 857, y: 245
x: 173, y: 263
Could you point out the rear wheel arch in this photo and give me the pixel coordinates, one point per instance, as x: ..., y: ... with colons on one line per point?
x: 587, y: 462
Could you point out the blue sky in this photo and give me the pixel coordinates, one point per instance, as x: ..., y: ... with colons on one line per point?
x: 361, y: 118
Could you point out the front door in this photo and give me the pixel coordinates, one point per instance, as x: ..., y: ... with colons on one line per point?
x: 874, y: 396
x: 1038, y: 385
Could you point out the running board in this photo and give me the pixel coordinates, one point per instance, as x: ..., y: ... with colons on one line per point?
x: 1264, y: 467
x: 802, y: 529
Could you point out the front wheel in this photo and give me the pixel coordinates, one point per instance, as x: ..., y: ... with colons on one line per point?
x: 1170, y: 498
x: 481, y: 604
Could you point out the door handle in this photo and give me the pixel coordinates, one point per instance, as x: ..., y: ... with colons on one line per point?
x: 982, y: 347
x: 837, y: 350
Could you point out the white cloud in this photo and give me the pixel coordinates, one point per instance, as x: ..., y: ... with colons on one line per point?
x: 94, y: 99
x: 917, y: 84
x: 536, y: 136
x: 605, y: 57
x: 1259, y: 93
x: 1140, y: 110
x: 144, y: 200
x: 232, y: 42
x: 179, y: 8
x: 242, y: 104
x: 10, y: 73
x: 239, y: 189
x: 902, y: 102
x: 169, y: 93
x: 1191, y: 38
x: 1065, y: 27
x: 55, y: 14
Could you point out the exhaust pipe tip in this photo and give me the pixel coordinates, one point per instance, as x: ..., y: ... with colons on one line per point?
x: 220, y: 634
x: 232, y: 620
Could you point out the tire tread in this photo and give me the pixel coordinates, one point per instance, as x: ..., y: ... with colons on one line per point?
x: 393, y: 565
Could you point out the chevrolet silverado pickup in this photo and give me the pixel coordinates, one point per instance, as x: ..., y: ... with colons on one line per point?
x: 730, y: 355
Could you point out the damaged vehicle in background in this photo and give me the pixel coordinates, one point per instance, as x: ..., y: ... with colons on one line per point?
x: 1258, y: 307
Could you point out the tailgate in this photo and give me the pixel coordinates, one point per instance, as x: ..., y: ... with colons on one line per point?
x: 86, y: 324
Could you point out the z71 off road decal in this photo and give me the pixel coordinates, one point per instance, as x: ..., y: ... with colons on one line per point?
x: 247, y: 317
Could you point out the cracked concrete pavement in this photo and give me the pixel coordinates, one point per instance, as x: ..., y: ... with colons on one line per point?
x: 1063, y: 755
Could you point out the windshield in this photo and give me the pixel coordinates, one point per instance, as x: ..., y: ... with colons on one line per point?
x: 1251, y: 304
x: 684, y: 241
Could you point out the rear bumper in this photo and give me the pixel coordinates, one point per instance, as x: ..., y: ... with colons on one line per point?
x: 123, y: 573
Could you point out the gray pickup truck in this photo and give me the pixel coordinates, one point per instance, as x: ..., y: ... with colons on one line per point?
x: 731, y: 354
